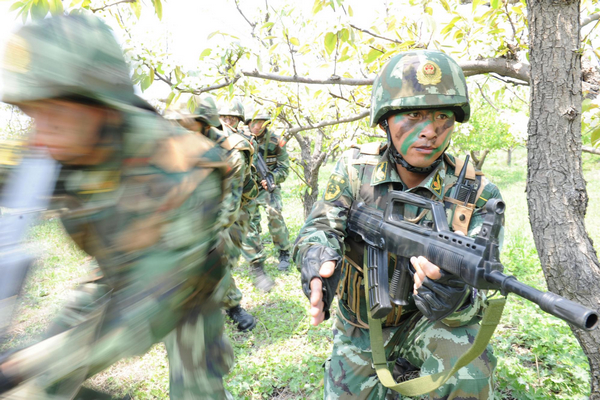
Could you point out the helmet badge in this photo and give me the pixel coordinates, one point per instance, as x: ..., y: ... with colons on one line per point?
x: 429, y: 73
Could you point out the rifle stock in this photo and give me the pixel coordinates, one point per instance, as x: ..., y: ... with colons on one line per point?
x: 474, y: 260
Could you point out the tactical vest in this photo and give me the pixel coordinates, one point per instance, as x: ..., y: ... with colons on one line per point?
x: 362, y: 164
x: 269, y: 148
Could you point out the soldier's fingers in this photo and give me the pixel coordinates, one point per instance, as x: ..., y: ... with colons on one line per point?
x: 431, y: 270
x: 327, y: 269
x: 419, y: 274
x: 314, y: 321
x: 316, y: 292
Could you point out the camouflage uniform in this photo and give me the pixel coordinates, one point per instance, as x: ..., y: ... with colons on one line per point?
x: 275, y: 155
x: 243, y: 186
x: 366, y: 174
x: 150, y: 215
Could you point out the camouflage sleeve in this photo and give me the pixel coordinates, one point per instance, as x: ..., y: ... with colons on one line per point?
x: 281, y: 171
x: 326, y: 224
x: 474, y: 311
x: 250, y: 187
x: 235, y: 180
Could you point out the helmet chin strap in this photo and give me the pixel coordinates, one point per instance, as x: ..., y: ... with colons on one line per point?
x: 397, y: 158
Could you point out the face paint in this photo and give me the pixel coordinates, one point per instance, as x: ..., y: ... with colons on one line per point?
x: 421, y: 136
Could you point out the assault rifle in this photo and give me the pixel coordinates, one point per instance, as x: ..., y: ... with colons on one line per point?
x: 474, y: 260
x: 263, y: 171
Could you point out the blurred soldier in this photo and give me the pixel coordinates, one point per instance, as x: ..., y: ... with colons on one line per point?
x: 205, y: 120
x: 272, y: 149
x: 416, y: 100
x: 142, y: 197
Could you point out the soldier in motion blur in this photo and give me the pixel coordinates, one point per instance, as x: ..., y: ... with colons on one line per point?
x: 204, y: 119
x: 272, y: 149
x: 141, y: 196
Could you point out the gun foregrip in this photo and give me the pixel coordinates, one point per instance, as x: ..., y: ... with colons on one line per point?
x: 377, y: 268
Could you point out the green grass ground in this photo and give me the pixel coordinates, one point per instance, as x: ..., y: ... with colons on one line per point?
x: 281, y: 358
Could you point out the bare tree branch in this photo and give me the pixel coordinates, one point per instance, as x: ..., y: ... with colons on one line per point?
x: 110, y: 5
x: 333, y: 80
x: 368, y: 32
x: 486, y: 98
x: 329, y: 123
x: 589, y: 19
x: 512, y: 69
x: 588, y: 149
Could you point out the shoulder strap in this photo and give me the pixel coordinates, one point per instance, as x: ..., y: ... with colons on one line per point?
x: 429, y: 383
x: 373, y: 148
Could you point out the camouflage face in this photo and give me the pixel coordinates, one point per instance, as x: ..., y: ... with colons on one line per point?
x: 234, y: 109
x: 258, y: 126
x: 230, y: 120
x: 421, y: 136
x: 67, y: 57
x: 420, y: 80
x: 259, y: 114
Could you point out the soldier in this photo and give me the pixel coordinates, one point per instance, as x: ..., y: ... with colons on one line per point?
x: 142, y: 197
x: 272, y: 148
x: 205, y: 120
x: 417, y: 98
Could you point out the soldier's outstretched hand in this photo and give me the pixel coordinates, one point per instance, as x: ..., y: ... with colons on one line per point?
x: 316, y: 295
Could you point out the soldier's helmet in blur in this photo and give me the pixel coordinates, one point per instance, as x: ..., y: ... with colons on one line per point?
x: 73, y: 57
x: 234, y: 108
x: 201, y: 108
x: 420, y: 79
x: 258, y: 114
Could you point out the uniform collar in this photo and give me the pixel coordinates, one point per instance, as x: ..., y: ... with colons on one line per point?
x: 385, y: 172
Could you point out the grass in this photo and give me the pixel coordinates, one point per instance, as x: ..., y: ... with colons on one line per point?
x: 282, y: 357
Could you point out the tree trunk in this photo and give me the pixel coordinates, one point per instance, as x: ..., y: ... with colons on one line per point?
x: 556, y: 192
x: 509, y: 156
x: 311, y: 164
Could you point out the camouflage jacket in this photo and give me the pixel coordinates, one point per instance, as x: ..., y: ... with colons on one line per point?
x: 275, y: 155
x: 239, y: 153
x: 366, y: 174
x: 150, y: 215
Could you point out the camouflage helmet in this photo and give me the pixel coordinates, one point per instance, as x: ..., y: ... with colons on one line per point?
x: 420, y: 79
x: 234, y: 108
x: 196, y: 107
x: 259, y: 114
x: 73, y: 56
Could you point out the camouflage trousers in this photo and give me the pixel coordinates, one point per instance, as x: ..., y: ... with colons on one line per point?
x: 237, y: 234
x: 273, y: 204
x: 252, y: 248
x: 198, y: 352
x: 431, y: 346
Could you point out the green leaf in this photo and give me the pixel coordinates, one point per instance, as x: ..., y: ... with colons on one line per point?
x: 495, y: 4
x: 317, y: 6
x: 15, y: 5
x: 344, y: 35
x: 145, y: 83
x: 517, y: 10
x: 596, y: 136
x: 56, y: 7
x: 373, y: 55
x: 158, y: 8
x: 74, y: 3
x: 450, y: 25
x: 205, y: 53
x: 267, y: 25
x: 170, y: 98
x: 86, y: 4
x: 295, y: 41
x: 475, y: 4
x: 330, y: 41
x: 39, y: 9
x: 137, y: 8
x: 445, y: 5
x: 350, y: 12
